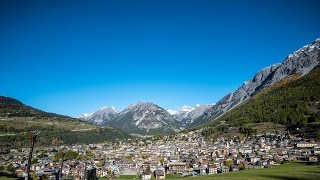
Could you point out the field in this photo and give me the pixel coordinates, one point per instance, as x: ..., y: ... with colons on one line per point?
x: 5, y: 178
x: 289, y: 171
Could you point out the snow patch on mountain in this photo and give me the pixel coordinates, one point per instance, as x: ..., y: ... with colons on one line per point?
x: 187, y: 114
x: 144, y: 118
x: 104, y: 114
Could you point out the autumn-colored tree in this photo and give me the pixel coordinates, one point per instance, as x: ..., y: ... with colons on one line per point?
x: 161, y: 160
x: 101, y: 163
x: 228, y: 163
x: 242, y: 165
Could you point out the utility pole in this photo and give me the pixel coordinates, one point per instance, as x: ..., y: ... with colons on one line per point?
x: 61, y: 167
x: 34, y: 135
x: 85, y: 171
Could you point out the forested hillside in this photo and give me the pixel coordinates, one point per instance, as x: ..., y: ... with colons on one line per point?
x: 17, y: 120
x: 293, y: 102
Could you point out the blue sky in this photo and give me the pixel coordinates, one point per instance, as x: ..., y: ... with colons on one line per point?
x: 72, y: 57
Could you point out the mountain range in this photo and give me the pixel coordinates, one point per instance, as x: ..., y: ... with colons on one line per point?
x: 187, y: 114
x: 145, y: 118
x: 148, y: 118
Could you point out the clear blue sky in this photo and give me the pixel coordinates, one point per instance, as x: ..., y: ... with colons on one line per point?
x: 71, y: 57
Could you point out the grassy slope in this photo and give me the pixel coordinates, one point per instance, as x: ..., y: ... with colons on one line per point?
x: 289, y: 171
x: 17, y: 120
x: 292, y: 102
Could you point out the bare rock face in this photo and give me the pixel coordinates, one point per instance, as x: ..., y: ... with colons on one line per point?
x: 144, y: 119
x: 300, y: 62
x: 181, y: 114
x: 194, y: 114
x: 187, y: 114
x: 100, y: 116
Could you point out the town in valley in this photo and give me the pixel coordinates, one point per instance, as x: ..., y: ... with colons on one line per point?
x: 184, y: 154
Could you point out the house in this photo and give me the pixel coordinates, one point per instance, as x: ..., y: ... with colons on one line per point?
x: 146, y: 165
x: 101, y: 172
x: 213, y: 169
x: 305, y: 145
x: 159, y: 174
x: 50, y: 173
x: 37, y: 166
x: 313, y: 159
x: 177, y: 167
x: 146, y: 175
x: 196, y: 172
x: 203, y: 170
x: 224, y: 169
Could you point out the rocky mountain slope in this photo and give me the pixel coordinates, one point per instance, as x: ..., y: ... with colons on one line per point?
x: 144, y: 119
x: 182, y: 113
x: 196, y: 113
x: 101, y: 115
x: 186, y: 115
x: 292, y: 104
x: 300, y: 62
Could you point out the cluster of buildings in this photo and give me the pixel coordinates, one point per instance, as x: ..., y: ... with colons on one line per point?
x: 187, y: 154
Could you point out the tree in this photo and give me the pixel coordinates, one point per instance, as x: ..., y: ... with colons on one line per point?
x: 101, y: 163
x: 68, y: 155
x: 10, y: 167
x: 90, y: 154
x: 145, y: 156
x: 34, y: 161
x: 109, y: 171
x: 242, y: 165
x: 161, y: 160
x: 71, y: 155
x: 228, y: 163
x: 217, y: 154
x: 56, y: 142
x: 148, y: 169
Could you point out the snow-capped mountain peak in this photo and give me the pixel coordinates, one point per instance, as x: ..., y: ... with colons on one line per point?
x: 172, y: 112
x: 104, y: 114
x: 108, y: 108
x: 86, y: 115
x: 186, y: 108
x: 144, y: 118
x: 187, y: 114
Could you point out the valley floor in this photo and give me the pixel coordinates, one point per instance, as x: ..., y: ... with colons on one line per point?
x: 288, y: 171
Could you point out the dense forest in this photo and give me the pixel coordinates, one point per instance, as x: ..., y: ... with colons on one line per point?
x: 293, y: 102
x: 52, y: 136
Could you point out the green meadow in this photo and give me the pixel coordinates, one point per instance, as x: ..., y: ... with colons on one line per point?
x: 288, y: 171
